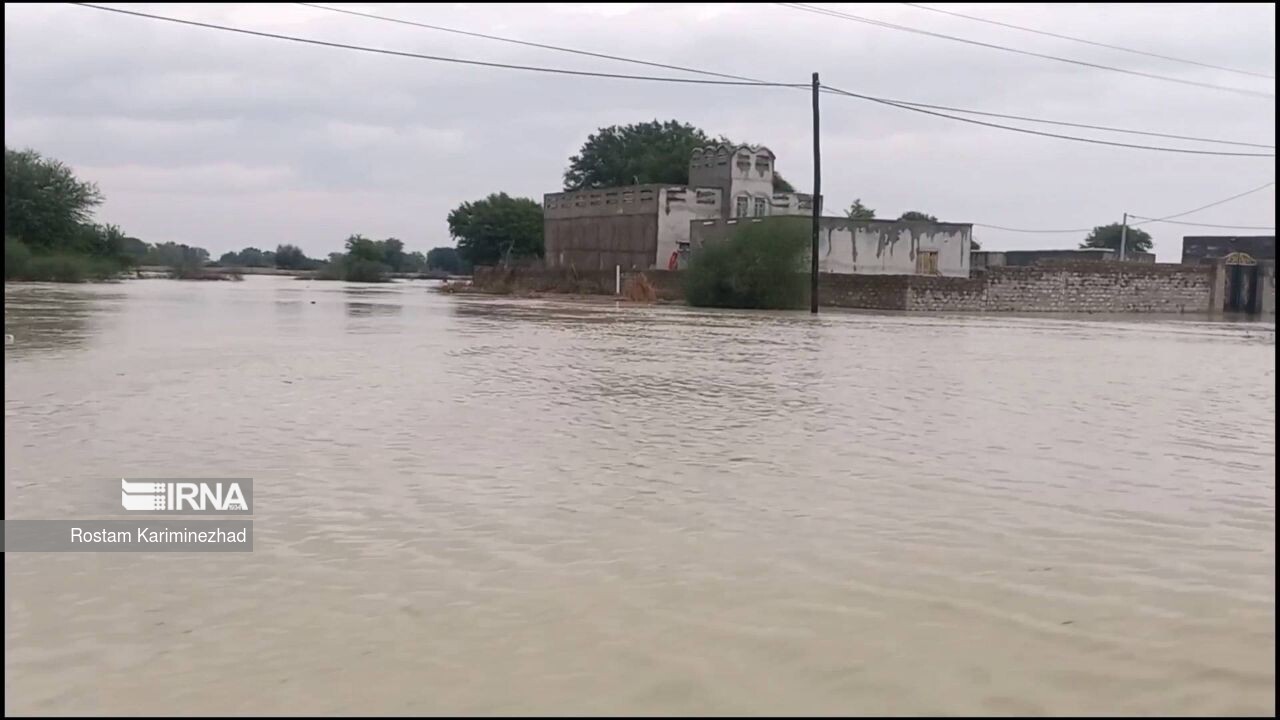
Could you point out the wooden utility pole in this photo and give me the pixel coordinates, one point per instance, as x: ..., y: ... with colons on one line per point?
x: 1124, y: 231
x: 817, y: 202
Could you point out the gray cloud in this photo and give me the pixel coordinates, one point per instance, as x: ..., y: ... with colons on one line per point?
x: 223, y: 140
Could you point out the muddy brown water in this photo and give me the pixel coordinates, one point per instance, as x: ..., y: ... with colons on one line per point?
x: 484, y: 506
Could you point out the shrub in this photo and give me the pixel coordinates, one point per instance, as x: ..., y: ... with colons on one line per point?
x: 760, y: 266
x: 68, y: 268
x: 359, y: 270
x: 16, y: 258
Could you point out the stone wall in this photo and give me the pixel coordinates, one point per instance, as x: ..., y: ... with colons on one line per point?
x: 1084, y: 287
x: 1090, y: 287
x: 873, y: 292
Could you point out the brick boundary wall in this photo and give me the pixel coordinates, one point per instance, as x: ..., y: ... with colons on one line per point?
x: 1095, y: 287
x: 1091, y: 288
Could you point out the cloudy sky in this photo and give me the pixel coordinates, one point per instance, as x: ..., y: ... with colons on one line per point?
x: 224, y: 140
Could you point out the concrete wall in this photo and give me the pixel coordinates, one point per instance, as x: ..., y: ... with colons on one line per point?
x: 598, y: 229
x: 678, y: 206
x: 1267, y: 290
x: 1022, y: 258
x: 791, y: 204
x: 873, y: 247
x: 1207, y: 248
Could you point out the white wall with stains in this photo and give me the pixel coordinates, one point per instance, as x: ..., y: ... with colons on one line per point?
x: 875, y: 247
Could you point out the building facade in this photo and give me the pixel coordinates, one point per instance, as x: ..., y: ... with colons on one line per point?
x: 874, y: 247
x: 645, y: 226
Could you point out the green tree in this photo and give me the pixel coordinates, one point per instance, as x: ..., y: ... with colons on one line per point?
x: 393, y: 254
x: 642, y: 153
x: 360, y: 247
x: 291, y: 257
x: 858, y: 211
x: 445, y: 259
x: 414, y: 262
x: 918, y: 216
x: 1108, y: 236
x: 176, y: 255
x: 44, y: 202
x: 497, y: 229
x: 648, y: 152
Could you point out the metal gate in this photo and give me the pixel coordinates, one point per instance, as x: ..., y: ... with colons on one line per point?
x: 1242, y: 283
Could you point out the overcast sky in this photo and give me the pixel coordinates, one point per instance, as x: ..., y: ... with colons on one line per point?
x: 223, y: 140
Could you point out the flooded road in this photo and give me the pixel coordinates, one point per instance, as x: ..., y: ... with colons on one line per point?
x: 487, y: 506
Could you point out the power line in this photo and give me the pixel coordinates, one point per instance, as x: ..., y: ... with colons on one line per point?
x: 1145, y: 220
x: 1229, y: 227
x: 1046, y: 134
x: 527, y: 43
x: 1088, y: 42
x: 1085, y: 125
x: 584, y: 73
x: 1205, y: 207
x: 398, y: 53
x: 1024, y: 230
x: 1082, y: 63
x: 699, y: 71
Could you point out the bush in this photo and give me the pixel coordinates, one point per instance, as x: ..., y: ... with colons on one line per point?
x: 68, y: 268
x: 359, y: 270
x: 760, y: 266
x: 16, y: 258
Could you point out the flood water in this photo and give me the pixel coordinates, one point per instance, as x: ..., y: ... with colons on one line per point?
x: 484, y: 506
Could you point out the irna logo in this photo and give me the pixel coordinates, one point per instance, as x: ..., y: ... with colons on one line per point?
x: 186, y: 496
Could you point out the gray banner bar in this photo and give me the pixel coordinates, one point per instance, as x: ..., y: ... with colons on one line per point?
x: 128, y: 536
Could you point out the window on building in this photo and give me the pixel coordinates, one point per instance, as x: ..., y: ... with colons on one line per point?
x: 744, y: 162
x: 927, y: 262
x: 740, y: 210
x: 762, y: 207
x: 762, y: 164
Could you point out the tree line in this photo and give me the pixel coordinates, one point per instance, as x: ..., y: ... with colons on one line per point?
x: 51, y: 235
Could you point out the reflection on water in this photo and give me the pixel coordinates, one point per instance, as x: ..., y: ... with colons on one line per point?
x: 488, y: 506
x: 45, y: 317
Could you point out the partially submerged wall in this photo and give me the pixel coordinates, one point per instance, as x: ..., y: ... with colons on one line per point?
x: 1091, y: 287
x: 1106, y: 287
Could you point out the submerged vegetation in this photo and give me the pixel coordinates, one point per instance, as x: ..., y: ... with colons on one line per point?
x: 760, y: 266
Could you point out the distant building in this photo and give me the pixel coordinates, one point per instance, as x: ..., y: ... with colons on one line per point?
x: 1209, y: 248
x: 1020, y: 258
x: 643, y: 226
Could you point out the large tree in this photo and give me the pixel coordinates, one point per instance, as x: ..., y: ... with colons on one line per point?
x: 642, y: 153
x: 1108, y: 236
x: 44, y: 203
x: 497, y: 228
